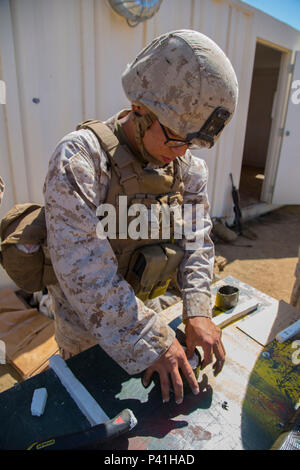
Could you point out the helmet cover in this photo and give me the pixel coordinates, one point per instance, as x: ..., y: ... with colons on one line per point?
x: 182, y: 77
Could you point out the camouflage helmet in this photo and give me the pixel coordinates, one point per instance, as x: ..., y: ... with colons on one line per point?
x: 187, y: 82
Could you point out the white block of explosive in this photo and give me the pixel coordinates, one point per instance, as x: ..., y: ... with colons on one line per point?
x: 39, y: 401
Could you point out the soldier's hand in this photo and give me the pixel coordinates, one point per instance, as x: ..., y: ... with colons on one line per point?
x: 168, y: 367
x: 201, y: 331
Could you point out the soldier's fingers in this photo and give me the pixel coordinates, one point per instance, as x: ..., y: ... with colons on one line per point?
x: 147, y: 376
x: 190, y: 348
x: 164, y: 385
x: 219, y: 351
x: 208, y: 355
x: 177, y: 385
x: 218, y: 366
x: 190, y: 376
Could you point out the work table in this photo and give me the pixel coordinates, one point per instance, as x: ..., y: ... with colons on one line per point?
x: 244, y: 407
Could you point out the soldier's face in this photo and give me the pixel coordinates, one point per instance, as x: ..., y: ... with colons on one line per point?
x: 154, y: 142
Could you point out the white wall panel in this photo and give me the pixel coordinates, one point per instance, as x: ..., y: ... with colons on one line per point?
x: 11, y: 145
x: 172, y: 15
x: 87, y: 50
x: 47, y: 51
x: 240, y: 50
x: 115, y: 45
x: 211, y: 17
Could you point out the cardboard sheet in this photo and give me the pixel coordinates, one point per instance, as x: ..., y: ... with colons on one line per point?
x: 28, y: 335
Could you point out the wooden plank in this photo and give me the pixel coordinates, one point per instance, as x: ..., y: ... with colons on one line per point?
x: 235, y: 313
x: 222, y: 320
x: 172, y: 312
x: 33, y: 356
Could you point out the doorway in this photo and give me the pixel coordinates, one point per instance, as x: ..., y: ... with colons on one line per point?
x: 262, y: 96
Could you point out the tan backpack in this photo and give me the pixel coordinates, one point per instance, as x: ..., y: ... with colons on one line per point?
x: 25, y: 224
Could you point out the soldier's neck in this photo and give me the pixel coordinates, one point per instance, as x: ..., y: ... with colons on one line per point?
x: 129, y: 129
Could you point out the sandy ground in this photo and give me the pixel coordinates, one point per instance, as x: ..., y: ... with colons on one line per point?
x: 267, y: 262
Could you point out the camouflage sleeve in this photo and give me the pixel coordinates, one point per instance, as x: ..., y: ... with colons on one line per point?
x: 1, y: 189
x: 196, y: 269
x: 86, y: 267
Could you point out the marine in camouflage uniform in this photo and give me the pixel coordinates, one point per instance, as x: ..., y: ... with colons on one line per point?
x: 175, y: 82
x: 93, y: 304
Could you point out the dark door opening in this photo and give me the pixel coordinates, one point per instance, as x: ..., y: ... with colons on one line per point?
x: 264, y: 84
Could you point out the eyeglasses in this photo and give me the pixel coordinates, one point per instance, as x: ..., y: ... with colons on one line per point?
x: 169, y: 142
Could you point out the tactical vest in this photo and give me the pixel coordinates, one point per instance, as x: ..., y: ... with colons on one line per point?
x: 148, y: 264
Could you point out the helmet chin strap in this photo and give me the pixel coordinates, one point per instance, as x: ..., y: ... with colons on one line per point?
x: 142, y: 123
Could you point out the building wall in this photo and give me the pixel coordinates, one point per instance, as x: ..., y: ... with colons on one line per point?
x: 62, y: 60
